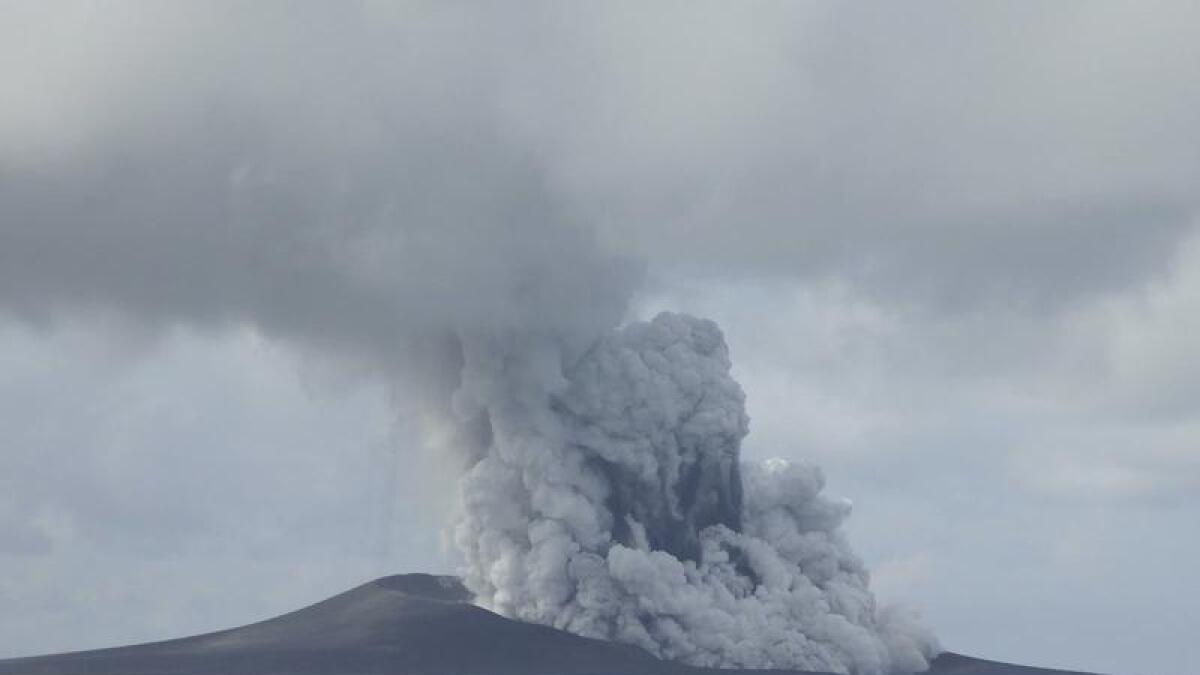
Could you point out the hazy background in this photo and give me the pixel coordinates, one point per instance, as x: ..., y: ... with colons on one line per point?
x: 953, y: 248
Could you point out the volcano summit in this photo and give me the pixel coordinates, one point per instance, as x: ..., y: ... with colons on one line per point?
x: 412, y: 624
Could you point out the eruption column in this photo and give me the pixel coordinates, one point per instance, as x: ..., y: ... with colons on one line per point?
x: 609, y: 500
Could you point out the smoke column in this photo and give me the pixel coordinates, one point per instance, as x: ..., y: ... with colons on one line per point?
x: 609, y: 499
x: 348, y: 180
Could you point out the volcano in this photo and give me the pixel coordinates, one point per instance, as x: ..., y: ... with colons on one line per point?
x: 411, y: 624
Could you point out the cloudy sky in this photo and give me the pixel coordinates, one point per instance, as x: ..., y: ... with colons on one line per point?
x: 953, y: 247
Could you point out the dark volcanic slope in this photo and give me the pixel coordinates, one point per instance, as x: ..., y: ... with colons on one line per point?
x: 414, y: 624
x: 950, y: 663
x: 411, y: 624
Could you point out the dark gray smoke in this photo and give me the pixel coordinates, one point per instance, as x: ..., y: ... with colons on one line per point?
x: 352, y: 203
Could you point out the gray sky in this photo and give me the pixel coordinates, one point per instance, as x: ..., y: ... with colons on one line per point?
x: 953, y: 247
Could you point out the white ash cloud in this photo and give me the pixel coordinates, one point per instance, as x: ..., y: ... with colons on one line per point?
x: 610, y: 500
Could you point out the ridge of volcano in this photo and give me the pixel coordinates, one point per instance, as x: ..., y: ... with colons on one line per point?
x: 409, y: 624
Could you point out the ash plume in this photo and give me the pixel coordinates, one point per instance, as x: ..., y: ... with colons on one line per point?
x: 610, y: 500
x: 603, y: 490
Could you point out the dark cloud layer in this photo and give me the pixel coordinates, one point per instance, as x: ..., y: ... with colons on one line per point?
x: 941, y: 154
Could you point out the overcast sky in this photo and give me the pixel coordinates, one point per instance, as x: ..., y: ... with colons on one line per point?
x: 953, y: 247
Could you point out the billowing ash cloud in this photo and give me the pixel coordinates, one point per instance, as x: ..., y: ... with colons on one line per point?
x: 610, y: 500
x: 370, y: 203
